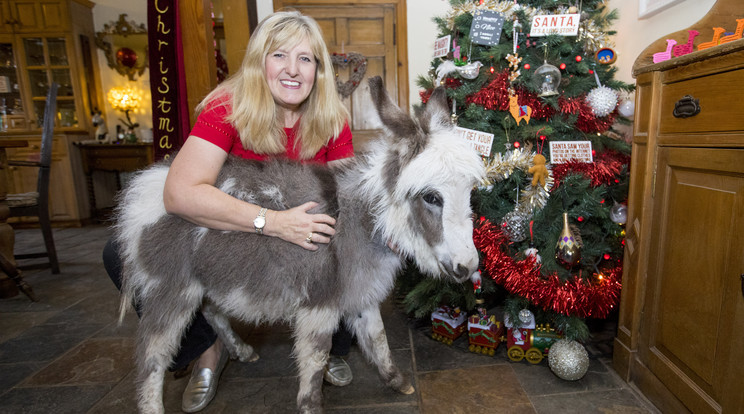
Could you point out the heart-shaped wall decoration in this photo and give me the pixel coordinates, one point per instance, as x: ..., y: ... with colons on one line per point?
x: 358, y: 65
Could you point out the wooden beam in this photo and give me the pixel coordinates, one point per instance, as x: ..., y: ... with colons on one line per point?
x: 200, y: 67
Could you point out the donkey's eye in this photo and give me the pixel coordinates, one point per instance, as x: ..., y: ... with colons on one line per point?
x: 433, y: 199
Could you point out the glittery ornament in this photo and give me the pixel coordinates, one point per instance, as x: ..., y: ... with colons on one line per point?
x: 547, y: 78
x: 568, y: 360
x: 516, y: 224
x: 602, y: 100
x: 567, y: 249
x: 626, y: 108
x: 526, y: 317
x: 469, y: 71
x: 619, y: 213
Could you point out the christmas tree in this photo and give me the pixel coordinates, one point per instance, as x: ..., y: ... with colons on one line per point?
x: 532, y: 85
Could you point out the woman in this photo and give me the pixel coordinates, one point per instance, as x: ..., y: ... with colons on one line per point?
x: 281, y: 103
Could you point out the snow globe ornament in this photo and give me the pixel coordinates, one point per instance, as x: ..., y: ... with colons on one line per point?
x: 619, y: 213
x: 547, y: 78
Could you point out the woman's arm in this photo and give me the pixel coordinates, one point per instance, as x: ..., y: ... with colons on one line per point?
x: 190, y: 193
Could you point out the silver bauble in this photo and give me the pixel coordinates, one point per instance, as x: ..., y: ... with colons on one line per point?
x: 516, y: 224
x: 619, y: 213
x: 626, y: 108
x: 525, y: 317
x: 602, y: 100
x: 568, y: 360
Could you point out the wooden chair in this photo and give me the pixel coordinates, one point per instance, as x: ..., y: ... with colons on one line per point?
x: 36, y: 204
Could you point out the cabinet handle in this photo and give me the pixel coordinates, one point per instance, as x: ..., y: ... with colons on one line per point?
x: 686, y: 107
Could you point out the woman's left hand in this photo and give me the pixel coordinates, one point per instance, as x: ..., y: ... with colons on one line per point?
x: 297, y: 226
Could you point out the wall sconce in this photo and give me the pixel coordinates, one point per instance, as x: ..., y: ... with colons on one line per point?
x: 126, y: 99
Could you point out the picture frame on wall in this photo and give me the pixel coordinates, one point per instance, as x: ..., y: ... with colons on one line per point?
x: 648, y: 8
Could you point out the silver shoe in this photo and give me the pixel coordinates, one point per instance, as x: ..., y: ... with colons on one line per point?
x: 202, y: 386
x: 337, y: 372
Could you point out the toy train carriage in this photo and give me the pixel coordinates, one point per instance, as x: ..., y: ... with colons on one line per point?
x: 484, y: 334
x: 447, y: 324
x: 531, y: 344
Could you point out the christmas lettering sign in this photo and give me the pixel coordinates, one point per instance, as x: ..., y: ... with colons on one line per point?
x: 480, y: 141
x: 558, y: 24
x: 486, y: 27
x: 442, y: 46
x: 565, y: 151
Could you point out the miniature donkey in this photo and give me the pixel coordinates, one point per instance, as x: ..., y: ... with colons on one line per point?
x: 410, y: 190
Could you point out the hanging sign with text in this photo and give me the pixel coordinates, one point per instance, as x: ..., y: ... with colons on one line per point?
x: 480, y: 141
x: 557, y: 24
x: 564, y: 151
x: 486, y: 27
x: 442, y: 46
x: 170, y: 114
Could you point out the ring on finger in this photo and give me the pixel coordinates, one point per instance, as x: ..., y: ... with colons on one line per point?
x: 309, y: 238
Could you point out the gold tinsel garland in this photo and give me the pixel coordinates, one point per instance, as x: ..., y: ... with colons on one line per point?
x: 590, y: 33
x: 501, y: 166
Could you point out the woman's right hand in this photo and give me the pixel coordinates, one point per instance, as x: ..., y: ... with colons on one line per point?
x: 297, y: 226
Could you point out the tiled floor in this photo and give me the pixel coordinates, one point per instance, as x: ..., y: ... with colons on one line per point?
x: 66, y: 354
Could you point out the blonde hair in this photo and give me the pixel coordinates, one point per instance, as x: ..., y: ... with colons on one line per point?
x: 254, y: 113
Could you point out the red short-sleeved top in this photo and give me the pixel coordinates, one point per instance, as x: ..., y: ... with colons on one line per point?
x: 211, y: 126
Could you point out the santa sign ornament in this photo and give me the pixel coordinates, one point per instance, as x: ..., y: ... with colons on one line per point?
x: 557, y: 24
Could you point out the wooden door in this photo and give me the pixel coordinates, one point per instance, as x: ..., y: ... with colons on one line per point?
x: 370, y: 28
x: 693, y: 328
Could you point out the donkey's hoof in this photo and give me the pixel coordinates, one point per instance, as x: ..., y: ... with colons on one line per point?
x: 407, y: 391
x: 248, y: 358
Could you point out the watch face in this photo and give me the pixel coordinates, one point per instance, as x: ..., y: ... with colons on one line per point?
x: 259, y: 222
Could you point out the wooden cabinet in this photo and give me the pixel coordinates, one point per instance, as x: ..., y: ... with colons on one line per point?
x: 45, y: 41
x: 681, y: 325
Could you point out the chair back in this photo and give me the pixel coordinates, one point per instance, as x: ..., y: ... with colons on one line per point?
x: 50, y: 112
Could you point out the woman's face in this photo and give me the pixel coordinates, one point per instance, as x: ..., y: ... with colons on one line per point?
x: 290, y: 72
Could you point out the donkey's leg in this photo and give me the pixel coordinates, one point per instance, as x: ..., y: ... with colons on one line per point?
x: 313, y: 329
x: 166, y: 313
x: 234, y: 344
x: 370, y: 334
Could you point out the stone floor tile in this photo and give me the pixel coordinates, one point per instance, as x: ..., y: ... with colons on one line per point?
x: 599, y: 402
x: 46, y: 400
x: 95, y: 361
x: 487, y: 389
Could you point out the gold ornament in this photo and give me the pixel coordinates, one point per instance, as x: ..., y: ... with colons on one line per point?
x: 568, y: 360
x: 568, y: 248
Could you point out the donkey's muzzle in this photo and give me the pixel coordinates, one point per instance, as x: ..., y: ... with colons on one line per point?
x: 460, y: 273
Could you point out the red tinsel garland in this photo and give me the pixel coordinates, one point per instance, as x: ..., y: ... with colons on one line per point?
x: 495, y: 96
x: 604, y: 170
x: 574, y: 297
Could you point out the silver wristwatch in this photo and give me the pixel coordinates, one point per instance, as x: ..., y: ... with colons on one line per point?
x: 260, y: 221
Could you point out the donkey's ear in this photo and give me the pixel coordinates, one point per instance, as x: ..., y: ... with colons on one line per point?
x: 392, y: 117
x: 437, y: 115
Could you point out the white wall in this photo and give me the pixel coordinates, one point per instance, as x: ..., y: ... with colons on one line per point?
x: 107, y: 11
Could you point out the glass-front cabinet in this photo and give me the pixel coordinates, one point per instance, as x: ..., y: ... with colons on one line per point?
x: 12, y: 115
x: 46, y: 61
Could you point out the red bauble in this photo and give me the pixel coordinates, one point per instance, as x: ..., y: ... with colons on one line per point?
x: 126, y: 57
x: 578, y: 58
x: 562, y: 66
x: 527, y: 66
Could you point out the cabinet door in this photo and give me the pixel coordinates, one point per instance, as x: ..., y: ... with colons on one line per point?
x: 26, y: 16
x: 693, y: 328
x: 12, y: 114
x: 46, y: 60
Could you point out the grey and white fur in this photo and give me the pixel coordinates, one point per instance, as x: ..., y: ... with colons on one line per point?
x: 410, y: 189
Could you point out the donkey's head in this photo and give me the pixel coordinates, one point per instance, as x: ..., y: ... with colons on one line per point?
x: 423, y: 186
